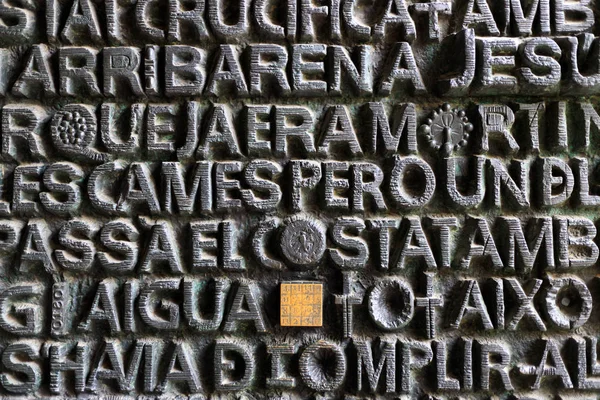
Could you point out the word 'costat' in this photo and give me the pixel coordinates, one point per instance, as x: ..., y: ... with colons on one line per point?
x: 153, y: 245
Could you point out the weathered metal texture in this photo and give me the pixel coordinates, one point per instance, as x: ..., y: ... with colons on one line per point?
x: 265, y: 199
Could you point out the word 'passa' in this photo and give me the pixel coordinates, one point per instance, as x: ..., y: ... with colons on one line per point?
x: 78, y: 21
x: 154, y: 246
x: 489, y: 66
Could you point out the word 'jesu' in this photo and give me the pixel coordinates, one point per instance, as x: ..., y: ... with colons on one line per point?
x: 487, y: 66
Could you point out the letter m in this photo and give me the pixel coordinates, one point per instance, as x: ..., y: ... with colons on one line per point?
x: 524, y: 23
x: 529, y: 253
x: 404, y: 124
x: 387, y: 360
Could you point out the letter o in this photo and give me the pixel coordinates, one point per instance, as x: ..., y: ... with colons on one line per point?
x: 412, y: 183
x: 323, y: 366
x: 568, y: 302
x: 391, y: 304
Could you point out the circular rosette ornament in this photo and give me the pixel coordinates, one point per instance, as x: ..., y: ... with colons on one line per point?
x: 447, y: 129
x: 74, y: 130
x: 303, y: 242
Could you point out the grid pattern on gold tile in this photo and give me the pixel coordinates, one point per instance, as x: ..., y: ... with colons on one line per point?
x: 301, y: 304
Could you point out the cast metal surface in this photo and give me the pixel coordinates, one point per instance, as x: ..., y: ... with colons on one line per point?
x: 298, y: 199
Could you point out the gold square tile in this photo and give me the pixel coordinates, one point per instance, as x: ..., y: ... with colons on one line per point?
x: 301, y: 304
